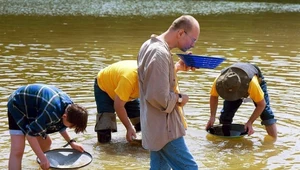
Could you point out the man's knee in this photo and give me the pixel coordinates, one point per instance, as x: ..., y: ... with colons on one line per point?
x: 105, y: 124
x: 106, y: 121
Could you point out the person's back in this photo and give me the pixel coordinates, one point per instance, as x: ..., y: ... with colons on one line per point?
x: 120, y: 77
x: 155, y: 105
x: 38, y: 101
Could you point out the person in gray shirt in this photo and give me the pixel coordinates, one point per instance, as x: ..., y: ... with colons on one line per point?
x: 162, y: 121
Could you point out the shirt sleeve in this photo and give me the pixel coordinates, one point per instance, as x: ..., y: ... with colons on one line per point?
x: 213, y: 90
x: 255, y: 91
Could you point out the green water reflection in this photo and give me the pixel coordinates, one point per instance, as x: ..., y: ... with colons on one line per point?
x: 68, y: 51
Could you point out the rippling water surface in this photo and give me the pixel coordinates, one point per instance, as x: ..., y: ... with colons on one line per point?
x: 144, y: 8
x: 66, y: 44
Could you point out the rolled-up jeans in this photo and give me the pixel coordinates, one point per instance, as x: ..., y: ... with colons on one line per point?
x: 106, y: 105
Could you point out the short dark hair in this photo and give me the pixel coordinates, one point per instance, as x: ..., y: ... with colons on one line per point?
x: 78, y: 117
x: 184, y: 22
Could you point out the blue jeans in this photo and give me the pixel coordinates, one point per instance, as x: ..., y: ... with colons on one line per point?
x: 230, y: 107
x: 175, y: 155
x: 106, y: 104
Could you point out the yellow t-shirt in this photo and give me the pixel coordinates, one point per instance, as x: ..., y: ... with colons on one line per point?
x: 120, y: 79
x: 255, y: 92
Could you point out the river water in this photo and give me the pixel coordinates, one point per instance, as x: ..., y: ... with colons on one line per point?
x: 66, y: 43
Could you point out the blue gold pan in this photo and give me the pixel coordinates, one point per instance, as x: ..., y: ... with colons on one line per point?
x: 199, y: 61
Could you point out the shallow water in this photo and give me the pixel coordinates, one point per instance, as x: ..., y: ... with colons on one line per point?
x: 67, y: 44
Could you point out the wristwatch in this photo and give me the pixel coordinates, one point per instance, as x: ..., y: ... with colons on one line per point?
x: 180, y: 98
x: 69, y: 143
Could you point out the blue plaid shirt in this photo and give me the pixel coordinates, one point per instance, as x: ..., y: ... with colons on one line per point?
x: 38, y: 109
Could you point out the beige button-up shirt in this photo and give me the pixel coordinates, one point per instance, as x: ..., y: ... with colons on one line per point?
x: 160, y: 118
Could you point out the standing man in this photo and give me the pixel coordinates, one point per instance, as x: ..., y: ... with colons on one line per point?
x: 162, y: 120
x: 116, y: 90
x: 36, y: 110
x: 235, y: 83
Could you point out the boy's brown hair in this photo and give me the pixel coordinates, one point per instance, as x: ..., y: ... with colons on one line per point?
x: 78, y: 117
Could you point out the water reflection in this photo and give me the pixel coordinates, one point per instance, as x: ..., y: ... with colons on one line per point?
x: 231, y: 153
x: 68, y: 51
